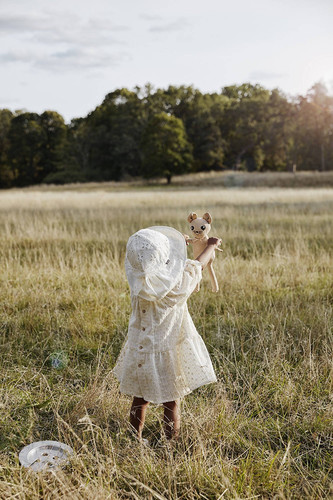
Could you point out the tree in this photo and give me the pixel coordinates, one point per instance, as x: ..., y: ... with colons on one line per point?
x: 74, y: 166
x: 165, y: 148
x: 277, y: 146
x: 53, y: 144
x: 114, y: 133
x: 313, y: 136
x: 6, y: 175
x: 25, y: 144
x: 161, y: 132
x: 202, y: 123
x: 245, y: 124
x: 200, y: 115
x: 36, y: 146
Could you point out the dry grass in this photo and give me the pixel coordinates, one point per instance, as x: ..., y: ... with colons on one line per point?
x: 263, y: 431
x: 232, y: 179
x: 202, y: 180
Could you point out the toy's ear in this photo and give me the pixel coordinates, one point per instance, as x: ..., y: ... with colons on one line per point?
x: 192, y: 216
x: 207, y: 217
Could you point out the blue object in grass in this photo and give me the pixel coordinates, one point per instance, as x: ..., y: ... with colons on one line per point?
x: 59, y: 360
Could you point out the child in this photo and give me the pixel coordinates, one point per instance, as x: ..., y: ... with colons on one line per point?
x: 164, y: 358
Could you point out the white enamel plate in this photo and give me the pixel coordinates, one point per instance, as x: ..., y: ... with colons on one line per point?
x: 45, y: 455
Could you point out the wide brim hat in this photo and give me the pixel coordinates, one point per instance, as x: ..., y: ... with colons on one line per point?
x: 155, y: 261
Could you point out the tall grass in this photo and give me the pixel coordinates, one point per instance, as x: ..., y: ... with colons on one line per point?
x: 263, y: 431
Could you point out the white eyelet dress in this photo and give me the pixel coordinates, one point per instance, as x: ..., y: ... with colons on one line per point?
x: 164, y: 357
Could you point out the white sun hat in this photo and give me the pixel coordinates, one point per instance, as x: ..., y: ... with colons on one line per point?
x: 154, y: 261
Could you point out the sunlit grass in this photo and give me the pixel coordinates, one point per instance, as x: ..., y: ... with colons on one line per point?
x: 263, y: 431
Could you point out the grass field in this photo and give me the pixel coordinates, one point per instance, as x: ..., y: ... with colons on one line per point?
x: 263, y: 431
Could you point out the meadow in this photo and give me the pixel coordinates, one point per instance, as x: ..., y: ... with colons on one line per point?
x: 264, y: 430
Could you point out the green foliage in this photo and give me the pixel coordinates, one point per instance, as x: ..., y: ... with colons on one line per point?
x: 54, y: 142
x: 165, y: 148
x: 6, y: 174
x: 244, y: 127
x: 112, y: 136
x: 24, y: 154
x: 36, y: 145
x: 203, y: 126
x: 313, y: 136
x: 200, y: 114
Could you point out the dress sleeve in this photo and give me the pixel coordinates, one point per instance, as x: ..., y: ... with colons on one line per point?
x: 191, y: 277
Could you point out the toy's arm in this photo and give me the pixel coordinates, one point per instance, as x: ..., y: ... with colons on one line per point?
x: 218, y: 247
x: 208, y: 253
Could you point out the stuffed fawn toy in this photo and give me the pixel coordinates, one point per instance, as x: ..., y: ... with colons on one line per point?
x: 200, y: 228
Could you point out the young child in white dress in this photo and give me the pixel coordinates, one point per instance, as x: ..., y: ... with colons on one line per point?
x: 164, y: 357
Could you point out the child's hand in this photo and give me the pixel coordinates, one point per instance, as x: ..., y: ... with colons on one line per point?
x: 186, y: 236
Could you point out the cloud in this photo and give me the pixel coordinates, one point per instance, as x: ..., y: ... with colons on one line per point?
x: 94, y: 32
x: 73, y: 43
x: 15, y: 23
x: 76, y: 38
x: 15, y: 56
x: 266, y: 75
x: 74, y: 59
x: 67, y: 60
x: 176, y: 25
x: 151, y: 17
x: 70, y: 29
x: 105, y: 24
x: 12, y: 23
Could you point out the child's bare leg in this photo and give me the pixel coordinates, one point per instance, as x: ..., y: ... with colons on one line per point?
x: 172, y: 419
x: 138, y: 414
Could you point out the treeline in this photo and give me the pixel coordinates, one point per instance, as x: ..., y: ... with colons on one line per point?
x: 160, y: 133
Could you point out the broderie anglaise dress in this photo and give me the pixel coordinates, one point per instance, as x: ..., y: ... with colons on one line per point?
x: 164, y: 357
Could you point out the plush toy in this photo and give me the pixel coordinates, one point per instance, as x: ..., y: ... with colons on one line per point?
x: 200, y: 228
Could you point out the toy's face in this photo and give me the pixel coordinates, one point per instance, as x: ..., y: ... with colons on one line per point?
x: 200, y: 228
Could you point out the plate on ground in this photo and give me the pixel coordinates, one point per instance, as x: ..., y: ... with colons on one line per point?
x: 45, y: 455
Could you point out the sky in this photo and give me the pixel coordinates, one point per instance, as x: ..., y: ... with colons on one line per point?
x: 66, y: 55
